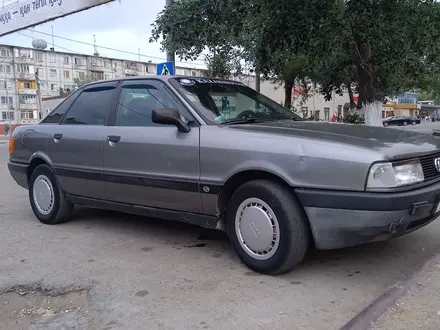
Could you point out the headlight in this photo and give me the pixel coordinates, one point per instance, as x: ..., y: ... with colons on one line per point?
x: 387, y: 175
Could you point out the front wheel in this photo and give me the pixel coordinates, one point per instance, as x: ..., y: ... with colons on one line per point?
x: 405, y: 123
x: 413, y: 123
x: 47, y: 199
x: 267, y: 227
x: 385, y: 124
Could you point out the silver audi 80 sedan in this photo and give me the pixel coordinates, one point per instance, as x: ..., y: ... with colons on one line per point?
x: 218, y: 154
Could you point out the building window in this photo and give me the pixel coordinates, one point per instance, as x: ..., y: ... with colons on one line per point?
x: 79, y: 61
x: 39, y: 71
x: 39, y: 56
x: 66, y: 74
x: 5, y: 69
x: 26, y: 114
x: 5, y: 53
x: 7, y: 100
x: 4, y: 84
x: 27, y: 84
x: 107, y: 64
x: 326, y: 113
x: 53, y: 87
x: 107, y: 76
x: 316, y: 117
x: 52, y: 58
x: 305, y: 112
x: 115, y: 65
x: 23, y: 68
x: 5, y: 115
x: 81, y: 75
x: 53, y: 73
x: 66, y: 60
x: 27, y: 99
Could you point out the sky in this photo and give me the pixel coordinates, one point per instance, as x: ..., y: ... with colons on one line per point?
x: 122, y: 25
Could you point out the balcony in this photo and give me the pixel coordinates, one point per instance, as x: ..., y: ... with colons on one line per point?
x: 29, y: 91
x: 24, y: 60
x: 28, y: 106
x: 26, y: 75
x: 130, y: 72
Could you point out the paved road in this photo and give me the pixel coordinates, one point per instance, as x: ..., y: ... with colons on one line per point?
x: 114, y: 271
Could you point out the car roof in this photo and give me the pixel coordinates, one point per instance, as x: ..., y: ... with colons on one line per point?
x: 163, y: 78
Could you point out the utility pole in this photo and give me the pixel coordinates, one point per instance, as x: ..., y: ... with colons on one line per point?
x: 9, y: 106
x: 39, y: 106
x: 171, y: 55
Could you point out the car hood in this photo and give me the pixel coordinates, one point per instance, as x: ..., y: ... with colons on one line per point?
x: 392, y: 143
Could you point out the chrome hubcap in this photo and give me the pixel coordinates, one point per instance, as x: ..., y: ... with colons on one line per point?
x: 43, y: 194
x: 257, y: 229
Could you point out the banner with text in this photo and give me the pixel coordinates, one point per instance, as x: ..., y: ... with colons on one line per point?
x: 28, y: 13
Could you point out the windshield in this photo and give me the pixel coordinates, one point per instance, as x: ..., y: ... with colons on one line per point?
x: 224, y: 101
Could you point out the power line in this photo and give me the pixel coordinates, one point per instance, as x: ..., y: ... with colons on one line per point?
x: 67, y: 49
x: 109, y: 48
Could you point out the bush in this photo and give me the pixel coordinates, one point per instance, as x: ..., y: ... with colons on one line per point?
x: 353, y: 118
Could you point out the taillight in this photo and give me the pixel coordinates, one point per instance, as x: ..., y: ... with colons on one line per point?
x: 11, y: 145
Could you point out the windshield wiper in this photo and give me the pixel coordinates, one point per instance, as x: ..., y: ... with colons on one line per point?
x: 242, y: 121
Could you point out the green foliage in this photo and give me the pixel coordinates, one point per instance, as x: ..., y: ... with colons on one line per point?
x: 80, y: 82
x: 353, y: 118
x: 375, y: 48
x: 192, y: 27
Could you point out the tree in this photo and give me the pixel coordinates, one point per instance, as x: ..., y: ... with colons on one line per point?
x: 80, y: 82
x: 390, y: 46
x: 194, y: 27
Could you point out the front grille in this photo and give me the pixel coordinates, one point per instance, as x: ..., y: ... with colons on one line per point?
x: 429, y: 170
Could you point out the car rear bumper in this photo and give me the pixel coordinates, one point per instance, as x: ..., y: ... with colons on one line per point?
x: 344, y: 219
x: 19, y: 172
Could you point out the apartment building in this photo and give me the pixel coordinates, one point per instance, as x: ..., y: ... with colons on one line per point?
x: 22, y: 69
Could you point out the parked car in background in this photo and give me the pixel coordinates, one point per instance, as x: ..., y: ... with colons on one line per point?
x: 400, y: 121
x: 218, y: 154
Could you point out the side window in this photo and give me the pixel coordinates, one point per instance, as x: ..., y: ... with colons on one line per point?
x: 55, y: 115
x: 137, y: 101
x: 90, y: 107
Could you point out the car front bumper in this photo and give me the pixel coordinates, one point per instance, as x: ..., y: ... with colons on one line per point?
x: 344, y: 219
x: 19, y: 172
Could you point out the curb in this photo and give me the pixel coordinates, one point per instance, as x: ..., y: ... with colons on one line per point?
x: 370, y: 314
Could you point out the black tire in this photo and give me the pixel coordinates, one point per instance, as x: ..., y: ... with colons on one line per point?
x: 405, y: 123
x: 61, y: 209
x: 293, y: 224
x: 385, y: 124
x: 413, y: 123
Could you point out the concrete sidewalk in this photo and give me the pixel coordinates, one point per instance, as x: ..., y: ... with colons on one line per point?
x: 420, y: 307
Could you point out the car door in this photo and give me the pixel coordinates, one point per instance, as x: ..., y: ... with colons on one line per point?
x: 146, y: 163
x: 75, y: 145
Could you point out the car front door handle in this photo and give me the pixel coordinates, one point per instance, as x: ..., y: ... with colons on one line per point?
x: 57, y: 136
x: 113, y: 138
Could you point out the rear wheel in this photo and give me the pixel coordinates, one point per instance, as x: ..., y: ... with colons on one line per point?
x: 413, y: 123
x: 267, y: 227
x: 47, y: 199
x: 405, y: 123
x: 385, y: 124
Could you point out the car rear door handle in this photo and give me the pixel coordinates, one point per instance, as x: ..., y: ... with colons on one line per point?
x: 57, y: 136
x: 113, y: 138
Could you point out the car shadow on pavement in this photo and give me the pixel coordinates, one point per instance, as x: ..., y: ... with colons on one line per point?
x: 396, y: 257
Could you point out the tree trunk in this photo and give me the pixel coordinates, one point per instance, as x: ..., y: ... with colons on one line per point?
x: 373, y: 113
x: 351, y: 96
x: 370, y: 94
x: 288, y: 88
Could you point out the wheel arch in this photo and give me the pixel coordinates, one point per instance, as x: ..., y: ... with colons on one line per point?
x: 37, y: 159
x: 241, y: 177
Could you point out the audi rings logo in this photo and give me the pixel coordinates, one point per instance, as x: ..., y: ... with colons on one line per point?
x: 437, y: 164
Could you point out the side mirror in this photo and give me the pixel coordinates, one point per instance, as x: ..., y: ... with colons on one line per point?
x: 167, y: 116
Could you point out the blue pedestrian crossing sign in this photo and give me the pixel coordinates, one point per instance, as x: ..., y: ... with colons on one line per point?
x: 165, y: 69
